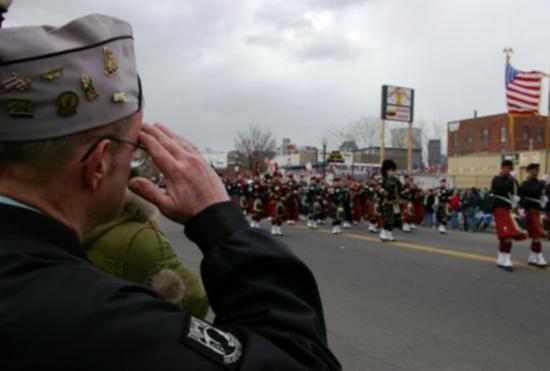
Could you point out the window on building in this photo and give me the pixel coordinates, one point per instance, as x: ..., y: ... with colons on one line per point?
x: 540, y: 135
x: 526, y: 133
x: 469, y: 137
x: 485, y: 135
x: 503, y: 134
x: 455, y: 139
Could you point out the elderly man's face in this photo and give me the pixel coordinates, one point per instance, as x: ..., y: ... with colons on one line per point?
x: 117, y: 181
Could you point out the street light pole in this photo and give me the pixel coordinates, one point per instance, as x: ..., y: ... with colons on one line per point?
x: 324, y: 143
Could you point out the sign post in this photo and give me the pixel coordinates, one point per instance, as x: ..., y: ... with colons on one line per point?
x: 398, y: 105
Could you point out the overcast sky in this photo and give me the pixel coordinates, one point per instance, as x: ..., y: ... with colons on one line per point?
x: 213, y: 67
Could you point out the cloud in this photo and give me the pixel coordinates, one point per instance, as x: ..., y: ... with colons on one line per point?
x: 213, y: 67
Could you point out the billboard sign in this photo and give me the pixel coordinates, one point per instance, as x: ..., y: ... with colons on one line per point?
x: 397, y: 103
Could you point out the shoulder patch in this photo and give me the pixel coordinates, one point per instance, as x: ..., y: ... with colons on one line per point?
x: 216, y: 345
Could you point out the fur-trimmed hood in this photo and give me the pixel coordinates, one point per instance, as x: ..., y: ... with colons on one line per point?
x: 140, y: 207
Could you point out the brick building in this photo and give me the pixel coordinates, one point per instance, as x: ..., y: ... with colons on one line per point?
x: 477, y: 146
x: 491, y: 134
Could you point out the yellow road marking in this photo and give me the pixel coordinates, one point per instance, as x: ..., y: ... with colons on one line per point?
x: 424, y: 248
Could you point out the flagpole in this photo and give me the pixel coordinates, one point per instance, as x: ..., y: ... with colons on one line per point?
x: 511, y: 119
x: 511, y: 125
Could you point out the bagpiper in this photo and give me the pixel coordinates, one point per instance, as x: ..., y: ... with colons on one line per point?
x: 348, y: 207
x: 442, y: 197
x: 337, y: 198
x: 292, y: 203
x: 373, y: 211
x: 358, y: 199
x: 389, y: 191
x: 533, y: 201
x: 277, y: 196
x: 257, y: 191
x: 241, y: 190
x: 407, y: 206
x: 504, y: 189
x: 315, y: 202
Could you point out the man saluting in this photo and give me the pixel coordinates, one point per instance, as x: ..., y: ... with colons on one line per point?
x: 67, y: 144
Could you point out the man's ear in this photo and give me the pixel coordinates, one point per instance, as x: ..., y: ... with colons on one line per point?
x: 96, y: 166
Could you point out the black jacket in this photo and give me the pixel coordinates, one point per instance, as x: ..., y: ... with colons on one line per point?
x: 529, y: 191
x: 58, y: 312
x: 503, y: 187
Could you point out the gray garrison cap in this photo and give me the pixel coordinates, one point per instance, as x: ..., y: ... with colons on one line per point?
x: 60, y: 81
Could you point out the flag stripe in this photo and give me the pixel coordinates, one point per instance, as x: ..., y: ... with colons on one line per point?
x: 523, y: 90
x: 514, y: 89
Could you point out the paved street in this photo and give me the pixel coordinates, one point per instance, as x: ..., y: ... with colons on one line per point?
x: 426, y: 302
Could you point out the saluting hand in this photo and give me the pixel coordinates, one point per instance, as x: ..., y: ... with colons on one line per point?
x: 191, y: 183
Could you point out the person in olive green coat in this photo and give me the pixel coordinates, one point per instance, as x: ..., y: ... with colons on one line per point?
x: 133, y: 248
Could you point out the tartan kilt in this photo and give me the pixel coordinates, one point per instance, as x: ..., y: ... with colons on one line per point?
x: 408, y: 212
x: 535, y: 224
x: 388, y: 213
x: 508, y: 226
x: 371, y: 210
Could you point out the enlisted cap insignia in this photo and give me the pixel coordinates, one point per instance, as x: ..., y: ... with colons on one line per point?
x: 217, y: 345
x: 111, y: 67
x: 52, y: 74
x: 67, y: 103
x: 20, y: 108
x: 88, y: 87
x: 120, y: 97
x: 14, y: 82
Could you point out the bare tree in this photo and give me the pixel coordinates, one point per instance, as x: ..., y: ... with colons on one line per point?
x: 256, y: 144
x: 365, y: 132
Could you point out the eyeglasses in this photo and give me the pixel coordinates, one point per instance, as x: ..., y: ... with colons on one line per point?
x: 139, y: 157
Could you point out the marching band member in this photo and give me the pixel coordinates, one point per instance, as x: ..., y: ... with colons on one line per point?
x: 278, y: 196
x: 292, y: 203
x: 357, y: 193
x: 372, y: 205
x: 241, y: 188
x: 257, y: 191
x: 407, y: 206
x: 504, y: 189
x: 315, y: 202
x: 442, y: 196
x: 348, y: 207
x: 533, y: 200
x: 390, y: 189
x: 337, y: 199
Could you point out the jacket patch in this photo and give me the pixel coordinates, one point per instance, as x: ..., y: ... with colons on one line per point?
x: 219, y: 346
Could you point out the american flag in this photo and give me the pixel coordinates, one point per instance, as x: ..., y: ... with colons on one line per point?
x: 14, y: 82
x: 523, y: 90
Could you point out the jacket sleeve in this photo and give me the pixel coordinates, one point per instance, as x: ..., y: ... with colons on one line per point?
x: 261, y: 292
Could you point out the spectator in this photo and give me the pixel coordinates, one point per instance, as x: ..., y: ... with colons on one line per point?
x: 429, y: 209
x: 472, y: 207
x: 454, y: 206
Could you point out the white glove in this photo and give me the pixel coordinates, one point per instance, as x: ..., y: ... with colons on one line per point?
x: 513, y: 174
x: 515, y: 201
x: 545, y: 199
